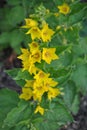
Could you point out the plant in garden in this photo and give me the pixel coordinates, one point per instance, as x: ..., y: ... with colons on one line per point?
x: 54, y: 69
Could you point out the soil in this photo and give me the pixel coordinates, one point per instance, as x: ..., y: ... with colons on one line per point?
x: 8, y: 60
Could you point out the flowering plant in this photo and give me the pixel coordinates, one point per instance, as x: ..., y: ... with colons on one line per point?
x: 53, y: 72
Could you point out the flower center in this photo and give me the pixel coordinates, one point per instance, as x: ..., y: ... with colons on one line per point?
x: 47, y: 54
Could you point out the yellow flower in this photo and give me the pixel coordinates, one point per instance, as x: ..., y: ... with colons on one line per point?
x: 25, y: 56
x: 39, y: 109
x: 33, y: 69
x: 50, y: 83
x: 37, y: 96
x: 64, y: 9
x: 26, y: 94
x: 33, y: 46
x: 35, y: 33
x: 29, y: 84
x: 48, y: 54
x: 53, y: 92
x: 41, y: 76
x: 36, y: 56
x: 29, y: 23
x: 46, y: 33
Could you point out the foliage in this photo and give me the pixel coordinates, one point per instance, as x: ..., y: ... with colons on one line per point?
x: 55, y: 55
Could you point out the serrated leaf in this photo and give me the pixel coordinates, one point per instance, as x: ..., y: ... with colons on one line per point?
x: 75, y: 104
x: 18, y: 115
x: 23, y: 75
x: 79, y: 76
x: 81, y: 48
x: 13, y: 73
x: 8, y: 100
x: 71, y: 97
x: 78, y: 16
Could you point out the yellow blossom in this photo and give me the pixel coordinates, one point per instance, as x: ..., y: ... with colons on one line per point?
x: 46, y: 33
x: 26, y: 93
x: 33, y: 46
x: 39, y: 109
x: 25, y: 55
x: 36, y: 56
x: 33, y: 69
x: 35, y: 33
x: 37, y: 96
x: 29, y: 23
x: 53, y: 92
x: 48, y: 54
x: 39, y: 88
x: 41, y: 76
x: 64, y: 9
x: 29, y: 84
x: 50, y: 83
x: 25, y: 58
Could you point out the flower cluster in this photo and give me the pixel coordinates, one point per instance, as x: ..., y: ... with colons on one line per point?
x: 41, y: 84
x: 43, y: 32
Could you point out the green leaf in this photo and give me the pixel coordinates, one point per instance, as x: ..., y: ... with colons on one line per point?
x: 23, y: 75
x: 19, y: 76
x: 14, y: 72
x: 20, y: 127
x: 16, y: 38
x: 13, y: 2
x: 78, y: 16
x: 15, y: 15
x: 19, y: 115
x: 8, y: 100
x: 79, y: 76
x: 83, y: 32
x: 75, y: 104
x: 58, y: 2
x: 4, y: 38
x: 70, y: 96
x: 81, y: 48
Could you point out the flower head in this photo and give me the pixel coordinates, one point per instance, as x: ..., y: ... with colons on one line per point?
x: 36, y: 56
x: 29, y: 23
x: 40, y: 110
x: 41, y: 76
x: 46, y: 33
x: 48, y: 54
x: 35, y: 33
x: 64, y: 9
x: 33, y: 46
x: 53, y: 92
x: 25, y: 54
x: 26, y: 93
x: 33, y: 69
x: 29, y: 83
